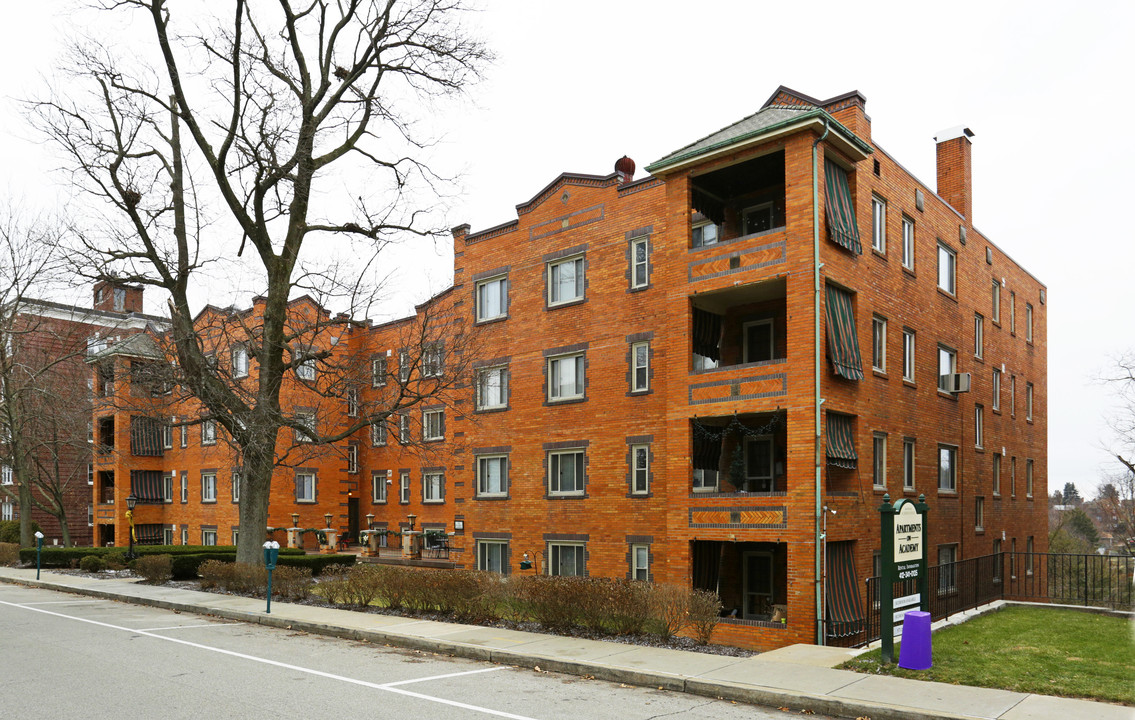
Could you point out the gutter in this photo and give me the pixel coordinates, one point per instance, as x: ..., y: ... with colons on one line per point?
x: 817, y: 400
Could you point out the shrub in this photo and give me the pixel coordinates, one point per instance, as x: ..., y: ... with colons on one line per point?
x: 705, y: 611
x: 315, y: 563
x: 155, y: 568
x: 115, y: 560
x: 554, y: 601
x: 92, y: 563
x: 10, y: 531
x: 629, y: 606
x: 334, y: 586
x: 670, y: 610
x: 292, y: 583
x: 185, y: 566
x: 9, y: 553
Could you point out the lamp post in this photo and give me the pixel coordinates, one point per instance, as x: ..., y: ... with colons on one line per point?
x: 131, y: 501
x: 370, y: 521
x: 327, y: 517
x: 38, y: 548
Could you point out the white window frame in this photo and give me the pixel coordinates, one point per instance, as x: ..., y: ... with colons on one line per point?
x: 7, y: 511
x: 996, y: 474
x: 996, y: 389
x: 184, y: 440
x: 996, y: 300
x: 209, y: 487
x: 640, y: 471
x: 640, y: 562
x: 879, y: 343
x: 404, y: 429
x: 1029, y: 464
x: 1012, y: 312
x: 556, y: 551
x: 878, y: 224
x: 305, y: 487
x: 167, y: 434
x: 378, y: 371
x: 642, y: 264
x: 306, y: 419
x: 979, y: 513
x: 433, y: 424
x: 208, y: 432
x: 352, y: 458
x: 700, y: 243
x: 119, y: 299
x: 6, y: 475
x: 1028, y: 322
x: 433, y: 359
x: 699, y: 481
x: 433, y: 488
x: 746, y: 358
x: 352, y: 402
x: 239, y: 360
x: 485, y: 292
x: 378, y: 487
x: 908, y: 340
x: 485, y: 383
x: 306, y: 370
x: 405, y: 366
x: 90, y: 515
x: 640, y: 367
x: 1013, y: 395
x: 378, y: 433
x: 208, y: 537
x: 485, y: 560
x: 947, y: 472
x: 236, y: 486
x: 908, y: 463
x: 947, y: 270
x: 579, y: 288
x: 404, y: 488
x: 484, y: 475
x: 1029, y: 401
x: 184, y: 487
x: 90, y: 474
x: 184, y: 536
x: 167, y: 488
x: 579, y: 369
x: 879, y: 460
x: 979, y: 426
x: 907, y: 243
x: 579, y: 474
x: 978, y: 336
x: 951, y: 357
x: 1029, y: 555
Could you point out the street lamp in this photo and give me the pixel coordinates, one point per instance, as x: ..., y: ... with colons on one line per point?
x: 370, y: 521
x: 295, y: 519
x: 131, y: 501
x: 327, y: 517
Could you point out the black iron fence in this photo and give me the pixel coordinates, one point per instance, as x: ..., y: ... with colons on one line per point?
x: 1088, y: 580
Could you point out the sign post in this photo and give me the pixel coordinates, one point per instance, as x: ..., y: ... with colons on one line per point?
x: 903, y: 533
x: 38, y: 550
x: 271, y: 553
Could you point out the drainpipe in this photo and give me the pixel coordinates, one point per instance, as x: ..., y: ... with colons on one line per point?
x: 816, y: 356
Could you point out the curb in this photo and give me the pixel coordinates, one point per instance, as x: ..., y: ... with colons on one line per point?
x: 722, y: 690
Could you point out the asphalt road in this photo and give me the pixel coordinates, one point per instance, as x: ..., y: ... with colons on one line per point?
x: 65, y: 656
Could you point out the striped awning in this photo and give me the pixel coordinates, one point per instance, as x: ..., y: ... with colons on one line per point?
x: 146, y: 486
x: 146, y: 436
x: 707, y: 334
x: 843, y: 341
x: 841, y: 442
x: 842, y: 229
x: 844, y: 607
x: 149, y: 534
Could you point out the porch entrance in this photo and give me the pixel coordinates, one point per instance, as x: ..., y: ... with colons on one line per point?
x: 751, y: 578
x: 352, y: 519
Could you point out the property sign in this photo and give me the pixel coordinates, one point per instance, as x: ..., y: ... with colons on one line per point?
x: 903, y: 537
x: 908, y: 534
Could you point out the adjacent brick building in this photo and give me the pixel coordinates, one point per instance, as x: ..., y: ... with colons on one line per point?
x: 674, y: 378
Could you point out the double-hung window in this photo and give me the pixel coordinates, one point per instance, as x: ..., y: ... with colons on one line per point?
x: 1028, y: 322
x: 492, y: 298
x: 878, y: 224
x: 947, y: 468
x: 978, y: 426
x: 947, y: 569
x: 378, y: 486
x: 492, y: 476
x: 404, y: 487
x: 565, y: 281
x: 378, y: 433
x: 352, y: 458
x: 306, y: 370
x: 996, y: 298
x: 947, y: 366
x: 240, y: 362
x: 759, y: 464
x: 305, y: 487
x: 433, y: 355
x: 703, y: 234
x: 208, y: 537
x: 879, y: 464
x: 378, y: 371
x: 1012, y: 312
x: 565, y: 472
x: 640, y: 469
x: 947, y: 269
x: 640, y: 265
x: 1028, y: 477
x: 640, y: 562
x: 907, y: 243
x: 167, y: 488
x: 236, y: 487
x: 208, y: 432
x: 404, y: 429
x: 567, y: 559
x: 352, y: 402
x: 908, y: 355
x: 879, y: 343
x: 979, y: 513
x: 491, y: 556
x: 996, y: 474
x: 996, y: 389
x: 1029, y: 402
x: 565, y: 377
x: 184, y: 487
x: 433, y: 425
x: 978, y: 335
x: 167, y: 434
x: 208, y: 487
x: 908, y: 463
x: 433, y: 487
x: 306, y: 421
x: 640, y: 367
x: 405, y: 362
x: 184, y: 440
x: 492, y: 388
x: 704, y: 480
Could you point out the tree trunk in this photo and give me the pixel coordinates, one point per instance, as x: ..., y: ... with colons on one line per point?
x: 255, y: 491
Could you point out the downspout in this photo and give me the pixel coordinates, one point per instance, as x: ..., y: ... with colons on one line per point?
x: 820, y: 619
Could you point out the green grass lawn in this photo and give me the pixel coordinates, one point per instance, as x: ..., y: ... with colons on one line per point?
x: 1049, y: 651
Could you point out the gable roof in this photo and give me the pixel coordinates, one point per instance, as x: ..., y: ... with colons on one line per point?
x: 139, y: 345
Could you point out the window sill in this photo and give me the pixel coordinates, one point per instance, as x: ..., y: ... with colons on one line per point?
x: 493, y: 497
x: 433, y: 439
x: 881, y: 254
x: 377, y: 502
x: 979, y: 449
x: 566, y: 303
x: 879, y: 373
x: 640, y: 288
x: 947, y: 395
x: 493, y: 409
x: 490, y: 321
x: 979, y: 531
x: 305, y: 502
x: 909, y: 383
x: 566, y: 496
x: 979, y: 359
x: 910, y: 272
x: 996, y: 411
x: 947, y: 294
x: 566, y: 401
x: 433, y: 502
x: 947, y: 493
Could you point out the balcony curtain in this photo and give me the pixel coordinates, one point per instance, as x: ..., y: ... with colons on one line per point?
x: 707, y: 205
x: 145, y: 437
x: 707, y: 450
x: 146, y: 486
x: 840, y: 212
x: 707, y: 565
x: 843, y: 604
x: 149, y: 534
x: 707, y: 334
x: 843, y: 342
x: 841, y: 442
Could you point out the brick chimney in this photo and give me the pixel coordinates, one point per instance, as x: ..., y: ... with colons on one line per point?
x: 117, y: 297
x: 955, y: 169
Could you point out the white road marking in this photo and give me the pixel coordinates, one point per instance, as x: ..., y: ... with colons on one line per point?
x: 441, y: 677
x: 64, y: 602
x: 289, y: 666
x: 182, y: 627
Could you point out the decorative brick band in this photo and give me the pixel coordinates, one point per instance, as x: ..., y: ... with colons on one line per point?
x: 754, y: 387
x: 752, y: 517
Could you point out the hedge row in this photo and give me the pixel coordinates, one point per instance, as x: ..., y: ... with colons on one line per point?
x: 62, y: 557
x: 185, y: 566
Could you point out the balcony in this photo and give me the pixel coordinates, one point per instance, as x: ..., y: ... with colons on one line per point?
x: 739, y: 456
x: 739, y: 327
x: 738, y: 201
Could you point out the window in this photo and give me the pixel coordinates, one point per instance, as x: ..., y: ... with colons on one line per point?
x: 167, y: 488
x: 908, y: 355
x: 566, y: 559
x: 306, y: 370
x: 1028, y: 322
x: 378, y: 486
x: 208, y: 432
x: 758, y: 341
x: 979, y: 514
x: 305, y: 487
x: 947, y: 366
x: 947, y: 569
x: 640, y: 267
x: 565, y: 281
x: 404, y: 365
x: 492, y: 298
x: 208, y: 487
x: 978, y: 426
x: 433, y: 425
x: 235, y: 536
x: 352, y: 458
x: 640, y: 367
x: 1013, y: 476
x: 236, y: 487
x: 167, y: 435
x: 565, y: 472
x: 433, y: 356
x: 947, y: 269
x: 1012, y: 312
x: 404, y: 487
x: 759, y: 464
x: 879, y: 462
x: 879, y: 343
x: 6, y: 475
x: 757, y: 218
x: 306, y: 423
x: 404, y: 429
x: 908, y: 464
x: 208, y: 537
x: 492, y: 476
x: 433, y: 487
x: 90, y: 515
x: 90, y: 474
x: 7, y: 511
x: 378, y: 433
x: 703, y: 234
x: 640, y: 562
x: 997, y: 560
x: 491, y: 556
x: 184, y: 441
x: 947, y: 468
x: 907, y: 243
x: 705, y: 480
x: 1029, y: 555
x: 1029, y: 402
x: 352, y: 402
x: 996, y: 316
x: 378, y: 371
x: 878, y: 224
x: 996, y: 474
x: 492, y: 388
x: 240, y: 362
x: 1028, y: 478
x: 184, y: 536
x: 996, y: 389
x: 1013, y: 395
x: 119, y: 299
x: 978, y: 335
x: 184, y: 487
x: 640, y: 469
x: 565, y: 377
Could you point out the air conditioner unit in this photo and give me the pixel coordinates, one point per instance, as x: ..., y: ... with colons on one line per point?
x: 957, y: 382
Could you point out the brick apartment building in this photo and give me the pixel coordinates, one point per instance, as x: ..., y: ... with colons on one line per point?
x: 709, y: 376
x: 49, y: 342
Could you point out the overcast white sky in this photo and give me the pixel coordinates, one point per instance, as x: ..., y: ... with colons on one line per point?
x: 1044, y: 86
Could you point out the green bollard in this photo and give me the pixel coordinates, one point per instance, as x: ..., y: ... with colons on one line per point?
x: 271, y: 553
x: 38, y: 549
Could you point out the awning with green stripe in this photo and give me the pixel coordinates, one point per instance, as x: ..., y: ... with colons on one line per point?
x: 842, y: 229
x: 841, y: 442
x: 843, y: 342
x: 844, y: 606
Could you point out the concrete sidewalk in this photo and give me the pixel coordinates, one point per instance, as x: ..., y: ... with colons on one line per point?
x: 797, y: 677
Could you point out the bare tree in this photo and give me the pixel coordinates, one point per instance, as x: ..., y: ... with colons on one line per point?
x: 272, y: 98
x: 1116, y: 498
